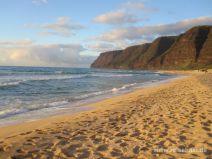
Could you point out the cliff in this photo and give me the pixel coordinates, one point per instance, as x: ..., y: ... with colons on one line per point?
x: 108, y: 59
x: 192, y: 49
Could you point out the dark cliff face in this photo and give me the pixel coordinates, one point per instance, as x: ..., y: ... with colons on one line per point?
x: 157, y: 47
x: 107, y: 59
x: 193, y: 49
x: 131, y: 54
x: 185, y: 52
x: 205, y: 56
x: 124, y: 59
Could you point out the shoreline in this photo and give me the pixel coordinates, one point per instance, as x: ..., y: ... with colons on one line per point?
x: 137, y: 119
x: 91, y: 105
x: 80, y: 106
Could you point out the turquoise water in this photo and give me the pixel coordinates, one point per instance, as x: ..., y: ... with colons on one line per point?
x: 30, y: 92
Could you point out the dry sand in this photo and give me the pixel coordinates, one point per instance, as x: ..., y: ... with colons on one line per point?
x: 155, y: 122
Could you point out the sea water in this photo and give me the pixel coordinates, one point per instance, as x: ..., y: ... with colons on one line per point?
x: 29, y: 93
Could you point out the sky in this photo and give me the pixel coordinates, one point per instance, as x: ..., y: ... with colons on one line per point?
x: 72, y: 33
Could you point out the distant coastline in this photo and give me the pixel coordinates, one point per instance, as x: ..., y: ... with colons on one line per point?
x: 190, y: 50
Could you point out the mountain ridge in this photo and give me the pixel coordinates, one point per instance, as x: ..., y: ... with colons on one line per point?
x: 189, y: 50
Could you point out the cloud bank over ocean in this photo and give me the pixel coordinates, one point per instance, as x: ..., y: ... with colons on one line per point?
x: 71, y: 34
x: 62, y: 55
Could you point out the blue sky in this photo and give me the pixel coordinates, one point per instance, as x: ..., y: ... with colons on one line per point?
x: 69, y: 32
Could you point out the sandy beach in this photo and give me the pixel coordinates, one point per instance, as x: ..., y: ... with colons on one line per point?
x: 172, y: 120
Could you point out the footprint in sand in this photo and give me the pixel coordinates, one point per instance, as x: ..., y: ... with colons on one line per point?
x: 182, y: 138
x: 136, y: 134
x: 206, y: 125
x: 80, y: 138
x: 83, y: 154
x: 116, y: 152
x: 136, y: 149
x: 47, y: 145
x: 19, y: 156
x: 26, y: 133
x: 2, y: 149
x: 202, y: 116
x: 103, y: 147
x: 123, y: 144
x: 208, y: 153
x: 209, y: 134
x: 122, y: 133
x: 62, y: 143
x: 21, y: 151
x: 71, y: 150
x: 144, y: 148
x: 206, y: 128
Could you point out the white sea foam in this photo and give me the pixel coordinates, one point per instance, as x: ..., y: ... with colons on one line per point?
x: 91, y: 94
x: 16, y: 80
x: 112, y: 75
x: 128, y: 85
x: 59, y: 72
x: 123, y: 87
x: 9, y: 83
x: 114, y: 89
x: 57, y: 103
x: 5, y: 81
x: 32, y: 107
x: 11, y: 111
x: 104, y: 92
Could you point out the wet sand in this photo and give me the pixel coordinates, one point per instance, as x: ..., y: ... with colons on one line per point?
x: 172, y: 120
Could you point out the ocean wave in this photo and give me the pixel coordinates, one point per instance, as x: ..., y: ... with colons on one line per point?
x: 123, y: 87
x: 128, y: 85
x: 59, y: 72
x: 55, y: 104
x: 15, y: 111
x: 10, y: 82
x: 12, y: 111
x: 91, y: 94
x: 4, y: 84
x: 111, y: 75
x: 104, y: 92
x: 49, y: 104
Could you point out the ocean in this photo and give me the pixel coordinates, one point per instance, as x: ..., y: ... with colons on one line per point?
x: 31, y: 93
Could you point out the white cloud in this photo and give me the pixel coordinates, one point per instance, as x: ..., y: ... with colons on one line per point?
x: 150, y: 32
x: 39, y: 2
x: 134, y: 5
x: 61, y: 55
x: 21, y: 42
x: 101, y: 47
x: 137, y: 6
x: 126, y: 36
x: 124, y: 15
x: 63, y: 26
x: 116, y: 17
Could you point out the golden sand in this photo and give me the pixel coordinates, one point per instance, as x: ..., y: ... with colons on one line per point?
x: 172, y: 120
